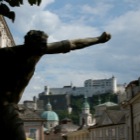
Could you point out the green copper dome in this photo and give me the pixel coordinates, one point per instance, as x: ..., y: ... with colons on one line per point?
x: 50, y: 116
x: 85, y: 104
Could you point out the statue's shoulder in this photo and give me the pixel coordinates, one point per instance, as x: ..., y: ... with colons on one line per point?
x: 11, y: 50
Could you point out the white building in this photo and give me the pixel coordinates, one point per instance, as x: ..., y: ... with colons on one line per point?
x: 101, y: 86
x: 91, y: 87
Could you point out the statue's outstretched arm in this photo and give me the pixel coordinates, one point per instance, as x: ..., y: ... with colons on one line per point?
x: 82, y: 43
x: 66, y: 46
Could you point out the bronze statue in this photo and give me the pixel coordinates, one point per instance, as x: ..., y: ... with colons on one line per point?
x: 18, y: 66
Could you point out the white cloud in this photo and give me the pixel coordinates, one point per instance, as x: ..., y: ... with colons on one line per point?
x: 45, y: 3
x: 118, y: 57
x: 100, y: 9
x: 127, y: 22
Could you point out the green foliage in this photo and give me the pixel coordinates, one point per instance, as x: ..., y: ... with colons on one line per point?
x: 102, y: 98
x: 5, y: 4
x: 62, y: 114
x: 75, y: 117
x: 76, y: 102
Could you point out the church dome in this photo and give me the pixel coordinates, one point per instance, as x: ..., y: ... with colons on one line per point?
x: 86, y: 105
x: 50, y: 116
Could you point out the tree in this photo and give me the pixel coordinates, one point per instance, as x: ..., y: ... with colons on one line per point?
x: 5, y: 4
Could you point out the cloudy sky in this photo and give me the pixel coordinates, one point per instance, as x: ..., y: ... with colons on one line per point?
x: 69, y: 19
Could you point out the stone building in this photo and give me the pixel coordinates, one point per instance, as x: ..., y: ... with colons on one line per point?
x: 101, y: 86
x: 91, y: 87
x: 33, y: 123
x: 101, y: 108
x: 59, y: 101
x: 131, y: 102
x: 110, y: 126
x: 6, y: 38
x: 109, y: 123
x: 82, y: 134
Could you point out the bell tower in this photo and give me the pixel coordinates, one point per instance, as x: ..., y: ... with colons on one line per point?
x: 86, y: 115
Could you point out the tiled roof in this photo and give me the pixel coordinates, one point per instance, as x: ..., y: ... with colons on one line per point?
x: 29, y: 114
x: 108, y: 104
x: 116, y: 116
x: 66, y: 126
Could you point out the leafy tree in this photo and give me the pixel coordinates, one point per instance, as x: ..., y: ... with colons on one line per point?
x: 5, y: 4
x: 76, y: 102
x: 62, y: 114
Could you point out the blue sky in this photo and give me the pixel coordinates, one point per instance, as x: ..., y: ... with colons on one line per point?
x: 69, y: 19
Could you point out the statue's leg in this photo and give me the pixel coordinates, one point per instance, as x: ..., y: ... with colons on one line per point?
x: 12, y: 126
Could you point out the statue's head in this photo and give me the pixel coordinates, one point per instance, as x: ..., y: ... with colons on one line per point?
x: 35, y: 38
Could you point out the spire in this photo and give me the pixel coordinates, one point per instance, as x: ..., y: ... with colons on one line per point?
x: 99, y: 100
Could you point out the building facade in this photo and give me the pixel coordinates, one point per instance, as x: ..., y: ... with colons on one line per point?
x: 91, y: 87
x: 109, y: 124
x: 82, y: 134
x: 102, y: 85
x: 58, y: 101
x: 33, y: 123
x: 131, y: 102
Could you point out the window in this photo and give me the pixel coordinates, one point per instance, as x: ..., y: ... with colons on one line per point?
x: 106, y: 132
x: 32, y: 133
x: 113, y: 132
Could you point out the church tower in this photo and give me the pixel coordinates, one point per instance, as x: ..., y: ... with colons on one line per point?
x: 86, y: 116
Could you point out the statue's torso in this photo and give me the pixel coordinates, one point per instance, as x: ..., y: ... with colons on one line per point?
x: 17, y: 68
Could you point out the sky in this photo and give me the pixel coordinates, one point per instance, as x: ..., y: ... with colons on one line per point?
x: 72, y: 19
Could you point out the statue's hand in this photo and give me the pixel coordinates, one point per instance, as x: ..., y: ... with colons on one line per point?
x: 104, y: 37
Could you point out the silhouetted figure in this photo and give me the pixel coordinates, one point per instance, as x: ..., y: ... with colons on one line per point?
x: 17, y: 66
